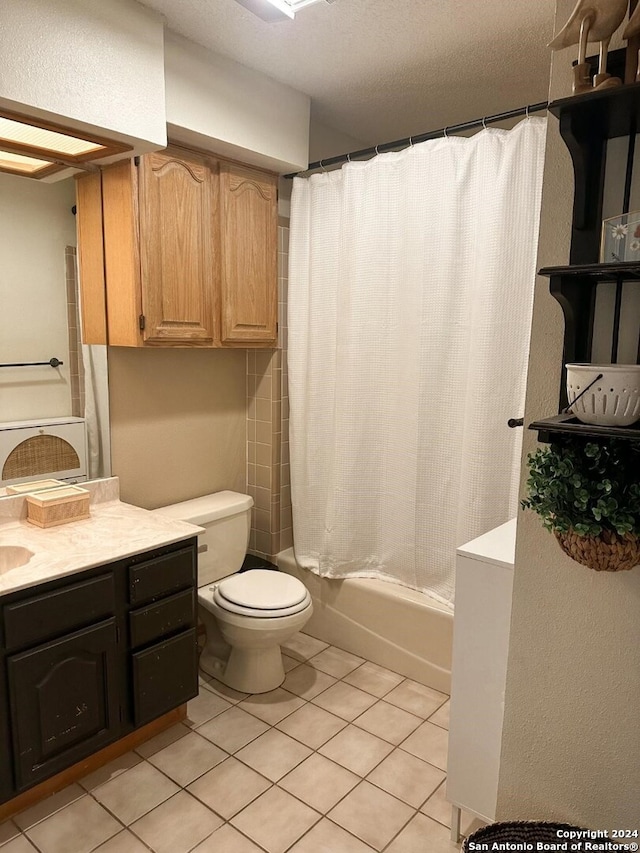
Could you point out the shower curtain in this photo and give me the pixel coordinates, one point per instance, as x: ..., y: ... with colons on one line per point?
x: 410, y: 296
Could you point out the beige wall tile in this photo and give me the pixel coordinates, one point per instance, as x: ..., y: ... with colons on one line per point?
x: 263, y: 454
x: 263, y: 432
x: 286, y: 539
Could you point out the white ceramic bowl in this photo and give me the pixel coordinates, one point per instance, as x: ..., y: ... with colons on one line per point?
x: 613, y: 400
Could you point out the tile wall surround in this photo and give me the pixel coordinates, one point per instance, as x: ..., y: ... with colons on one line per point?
x: 76, y: 366
x: 268, y: 477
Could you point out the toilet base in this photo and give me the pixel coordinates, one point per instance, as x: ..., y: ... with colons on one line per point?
x: 253, y: 670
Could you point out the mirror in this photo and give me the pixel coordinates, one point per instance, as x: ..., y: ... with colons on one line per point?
x: 39, y: 321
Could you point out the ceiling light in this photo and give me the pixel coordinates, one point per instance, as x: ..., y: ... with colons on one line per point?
x: 277, y: 10
x: 38, y: 148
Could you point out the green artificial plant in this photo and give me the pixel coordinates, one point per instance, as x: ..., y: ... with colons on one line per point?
x: 588, y: 487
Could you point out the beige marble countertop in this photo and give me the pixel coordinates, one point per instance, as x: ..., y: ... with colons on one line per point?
x: 114, y: 530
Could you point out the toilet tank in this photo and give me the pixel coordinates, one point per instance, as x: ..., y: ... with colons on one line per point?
x: 226, y: 518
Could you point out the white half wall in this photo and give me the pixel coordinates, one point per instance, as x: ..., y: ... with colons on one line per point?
x: 88, y: 64
x: 36, y: 224
x: 219, y: 105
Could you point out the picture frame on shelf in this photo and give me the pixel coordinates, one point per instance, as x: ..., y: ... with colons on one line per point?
x: 620, y: 240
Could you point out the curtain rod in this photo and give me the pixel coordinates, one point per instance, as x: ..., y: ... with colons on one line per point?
x: 423, y: 137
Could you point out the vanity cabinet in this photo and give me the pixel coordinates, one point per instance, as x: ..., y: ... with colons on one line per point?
x: 85, y: 661
x: 190, y: 252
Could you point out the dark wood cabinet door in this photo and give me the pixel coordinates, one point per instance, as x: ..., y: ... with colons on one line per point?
x: 64, y: 701
x: 164, y: 676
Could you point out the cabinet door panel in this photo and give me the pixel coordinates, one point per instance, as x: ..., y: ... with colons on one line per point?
x: 164, y: 676
x: 249, y: 217
x: 177, y: 255
x: 64, y: 702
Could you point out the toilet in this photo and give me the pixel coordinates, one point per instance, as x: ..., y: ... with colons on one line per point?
x: 247, y: 615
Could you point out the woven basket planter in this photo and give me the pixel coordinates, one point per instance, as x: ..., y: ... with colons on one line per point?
x: 528, y: 832
x: 608, y: 552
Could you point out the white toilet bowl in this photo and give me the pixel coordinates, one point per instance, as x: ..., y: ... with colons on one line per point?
x: 247, y: 615
x: 253, y: 631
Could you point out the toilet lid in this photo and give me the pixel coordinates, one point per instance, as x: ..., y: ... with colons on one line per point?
x: 261, y: 589
x: 261, y: 614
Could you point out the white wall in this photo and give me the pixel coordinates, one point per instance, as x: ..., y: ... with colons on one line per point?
x: 36, y: 224
x: 93, y: 64
x: 215, y: 103
x: 571, y: 741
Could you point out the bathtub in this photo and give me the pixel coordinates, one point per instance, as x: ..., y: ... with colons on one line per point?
x: 395, y: 627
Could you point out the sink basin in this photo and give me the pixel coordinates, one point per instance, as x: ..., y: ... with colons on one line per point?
x: 13, y: 556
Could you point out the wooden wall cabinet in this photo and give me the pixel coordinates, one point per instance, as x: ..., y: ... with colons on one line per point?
x: 188, y: 245
x: 87, y: 659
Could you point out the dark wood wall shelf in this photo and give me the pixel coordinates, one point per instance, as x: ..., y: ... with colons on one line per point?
x: 587, y: 122
x: 554, y: 429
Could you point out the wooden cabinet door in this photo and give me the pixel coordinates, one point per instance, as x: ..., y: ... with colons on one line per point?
x: 249, y: 249
x: 64, y: 702
x: 164, y: 676
x: 178, y: 263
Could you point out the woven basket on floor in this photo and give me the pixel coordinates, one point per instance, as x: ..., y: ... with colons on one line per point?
x: 523, y: 832
x: 608, y: 552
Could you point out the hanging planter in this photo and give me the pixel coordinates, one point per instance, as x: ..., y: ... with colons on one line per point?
x: 588, y: 495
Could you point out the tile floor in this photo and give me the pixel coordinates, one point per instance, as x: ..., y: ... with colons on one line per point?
x: 345, y: 757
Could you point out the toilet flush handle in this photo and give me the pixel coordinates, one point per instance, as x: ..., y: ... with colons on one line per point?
x: 202, y: 549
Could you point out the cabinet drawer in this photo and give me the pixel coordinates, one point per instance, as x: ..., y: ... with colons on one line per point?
x: 162, y: 618
x: 164, y: 676
x: 58, y: 611
x: 162, y: 576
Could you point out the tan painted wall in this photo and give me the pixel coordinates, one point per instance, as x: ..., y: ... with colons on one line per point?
x: 571, y: 739
x: 178, y: 423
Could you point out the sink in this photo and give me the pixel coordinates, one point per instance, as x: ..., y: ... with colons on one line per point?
x: 13, y: 556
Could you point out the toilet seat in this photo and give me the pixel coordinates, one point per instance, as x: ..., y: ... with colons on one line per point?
x: 262, y: 593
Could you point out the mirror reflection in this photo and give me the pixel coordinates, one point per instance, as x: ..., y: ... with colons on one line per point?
x: 54, y: 420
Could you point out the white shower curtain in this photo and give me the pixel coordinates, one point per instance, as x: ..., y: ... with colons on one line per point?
x: 410, y: 294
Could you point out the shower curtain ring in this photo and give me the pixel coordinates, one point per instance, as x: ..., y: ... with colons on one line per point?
x: 348, y: 158
x: 527, y: 112
x: 445, y: 134
x: 484, y: 122
x: 411, y: 141
x: 322, y: 166
x: 377, y: 152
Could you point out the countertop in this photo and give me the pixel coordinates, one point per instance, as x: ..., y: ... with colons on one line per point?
x: 497, y: 546
x: 114, y: 530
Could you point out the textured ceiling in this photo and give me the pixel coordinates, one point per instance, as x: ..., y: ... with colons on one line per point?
x: 383, y: 69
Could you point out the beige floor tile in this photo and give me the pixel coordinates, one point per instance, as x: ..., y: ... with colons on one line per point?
x: 416, y: 698
x: 168, y: 736
x: 307, y: 682
x: 430, y: 743
x: 110, y: 771
x: 311, y: 725
x: 345, y: 701
x: 388, y: 722
x: 336, y: 662
x: 437, y: 806
x: 224, y: 692
x: 356, y: 750
x: 273, y: 754
x: 289, y: 663
x: 327, y: 837
x: 273, y: 706
x: 371, y: 814
x: 135, y: 792
x: 406, y: 777
x: 233, y: 729
x: 187, y: 758
x: 204, y: 707
x: 229, y: 787
x: 123, y: 842
x: 177, y: 825
x: 47, y: 807
x: 21, y: 844
x: 78, y: 828
x: 302, y: 647
x: 421, y: 834
x: 373, y: 679
x: 226, y: 840
x: 441, y: 716
x: 319, y: 783
x: 276, y: 820
x: 8, y: 830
